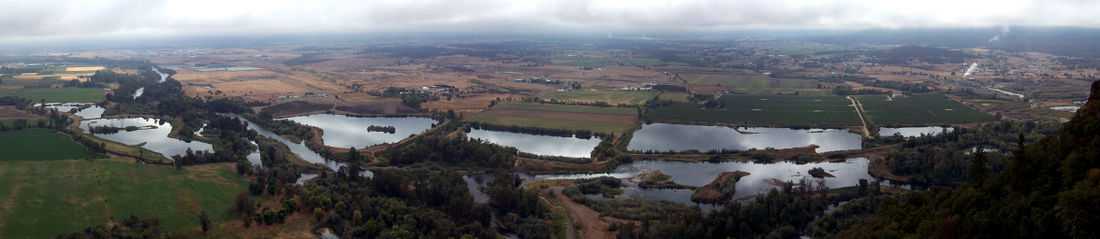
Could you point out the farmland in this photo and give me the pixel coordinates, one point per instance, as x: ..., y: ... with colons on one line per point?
x: 918, y: 110
x: 598, y: 119
x: 674, y: 96
x: 596, y: 62
x: 757, y: 84
x: 63, y: 94
x: 784, y: 110
x: 40, y: 144
x: 592, y: 96
x: 49, y: 197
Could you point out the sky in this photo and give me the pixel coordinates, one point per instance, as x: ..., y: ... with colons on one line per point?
x: 24, y: 20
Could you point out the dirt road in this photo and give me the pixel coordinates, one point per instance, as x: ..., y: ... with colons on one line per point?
x: 592, y: 226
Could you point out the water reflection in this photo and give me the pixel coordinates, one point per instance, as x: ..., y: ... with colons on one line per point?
x: 913, y: 131
x: 298, y: 149
x: 660, y: 137
x: 348, y: 131
x: 163, y: 76
x: 761, y: 178
x: 539, y: 144
x: 92, y: 111
x: 152, y: 132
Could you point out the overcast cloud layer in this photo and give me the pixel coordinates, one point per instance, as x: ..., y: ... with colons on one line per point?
x: 57, y: 19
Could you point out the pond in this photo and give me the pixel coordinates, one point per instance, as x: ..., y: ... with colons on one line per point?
x: 89, y: 111
x: 762, y: 176
x: 1066, y: 108
x: 913, y: 131
x: 138, y: 92
x: 661, y: 137
x: 539, y: 144
x: 152, y: 132
x: 348, y: 131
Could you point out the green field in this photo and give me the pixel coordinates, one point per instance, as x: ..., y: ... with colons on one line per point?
x: 567, y: 108
x: 611, y: 97
x: 44, y: 198
x: 675, y: 96
x: 597, y: 119
x: 40, y: 144
x: 63, y: 94
x: 781, y: 111
x: 615, y: 127
x: 759, y: 84
x: 918, y: 110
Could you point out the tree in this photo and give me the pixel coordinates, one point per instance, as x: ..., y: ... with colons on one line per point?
x: 977, y: 166
x: 204, y: 220
x: 862, y: 186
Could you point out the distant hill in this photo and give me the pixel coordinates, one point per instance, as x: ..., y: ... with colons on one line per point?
x: 1068, y: 41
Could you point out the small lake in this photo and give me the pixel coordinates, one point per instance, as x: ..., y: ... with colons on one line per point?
x: 92, y: 111
x: 661, y: 137
x: 138, y: 92
x: 913, y: 131
x: 762, y: 177
x: 1067, y: 108
x: 152, y: 132
x: 1006, y: 92
x: 348, y: 131
x: 539, y: 144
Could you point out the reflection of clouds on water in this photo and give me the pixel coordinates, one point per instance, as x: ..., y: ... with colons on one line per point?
x: 299, y: 149
x: 539, y: 144
x: 91, y: 112
x: 347, y: 131
x: 153, y: 133
x: 660, y: 137
x: 913, y: 131
x: 761, y: 178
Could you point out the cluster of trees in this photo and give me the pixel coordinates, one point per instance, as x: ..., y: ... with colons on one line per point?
x: 131, y: 227
x: 782, y: 213
x: 451, y: 150
x: 607, y: 186
x: 383, y: 129
x: 396, y: 204
x: 518, y: 209
x: 944, y: 159
x: 233, y: 138
x: 408, y: 97
x: 844, y: 90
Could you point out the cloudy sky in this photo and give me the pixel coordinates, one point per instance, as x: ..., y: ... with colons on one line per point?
x: 30, y: 20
